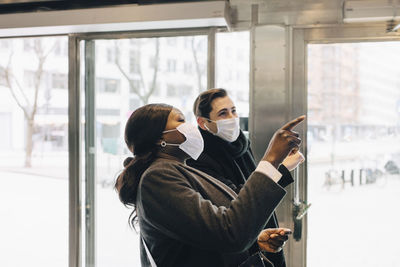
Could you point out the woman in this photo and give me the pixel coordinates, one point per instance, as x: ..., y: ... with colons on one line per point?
x: 186, y: 217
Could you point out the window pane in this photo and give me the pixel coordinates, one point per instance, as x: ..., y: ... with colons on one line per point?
x: 33, y: 153
x: 168, y: 70
x: 232, y: 70
x: 353, y: 154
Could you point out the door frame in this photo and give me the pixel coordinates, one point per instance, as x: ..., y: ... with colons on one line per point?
x: 298, y: 40
x: 82, y: 208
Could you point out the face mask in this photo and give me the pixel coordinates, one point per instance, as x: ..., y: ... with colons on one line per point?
x: 228, y: 129
x: 193, y: 145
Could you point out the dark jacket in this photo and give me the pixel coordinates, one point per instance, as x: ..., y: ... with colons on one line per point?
x: 188, y: 218
x: 232, y: 164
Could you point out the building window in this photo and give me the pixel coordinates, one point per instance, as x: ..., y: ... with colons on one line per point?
x: 171, y: 90
x: 152, y: 62
x: 111, y: 55
x: 187, y: 67
x: 108, y: 85
x: 5, y: 43
x: 134, y: 86
x: 171, y: 65
x: 29, y: 79
x: 59, y: 81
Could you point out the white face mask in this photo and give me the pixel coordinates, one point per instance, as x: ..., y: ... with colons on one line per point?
x: 227, y: 129
x: 193, y: 145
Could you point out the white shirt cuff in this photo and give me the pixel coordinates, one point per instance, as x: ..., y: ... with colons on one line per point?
x: 269, y: 170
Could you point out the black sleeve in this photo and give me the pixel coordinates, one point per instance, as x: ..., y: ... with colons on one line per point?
x: 170, y: 204
x: 286, y: 178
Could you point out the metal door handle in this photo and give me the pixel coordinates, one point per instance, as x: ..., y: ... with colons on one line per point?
x: 303, y: 208
x: 300, y: 208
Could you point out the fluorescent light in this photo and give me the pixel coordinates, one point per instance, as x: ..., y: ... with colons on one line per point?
x: 370, y: 11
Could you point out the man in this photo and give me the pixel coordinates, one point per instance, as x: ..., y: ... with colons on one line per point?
x: 227, y: 155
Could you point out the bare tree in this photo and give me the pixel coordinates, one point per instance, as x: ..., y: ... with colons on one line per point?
x: 28, y: 106
x: 144, y: 91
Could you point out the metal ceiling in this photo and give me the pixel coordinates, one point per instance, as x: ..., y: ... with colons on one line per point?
x: 265, y: 12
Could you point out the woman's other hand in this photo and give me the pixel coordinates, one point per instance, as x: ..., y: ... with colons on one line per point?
x: 293, y: 160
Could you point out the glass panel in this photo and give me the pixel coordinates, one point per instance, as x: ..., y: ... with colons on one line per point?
x: 353, y: 154
x: 34, y: 152
x: 129, y: 74
x: 233, y: 70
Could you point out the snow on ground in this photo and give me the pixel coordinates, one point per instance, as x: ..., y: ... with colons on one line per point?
x: 350, y: 226
x: 34, y: 224
x: 354, y: 226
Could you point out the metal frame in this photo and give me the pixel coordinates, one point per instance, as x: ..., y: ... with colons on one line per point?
x: 74, y: 146
x: 299, y: 38
x: 273, y: 93
x: 144, y: 34
x: 211, y: 58
x: 90, y: 154
x: 297, y: 101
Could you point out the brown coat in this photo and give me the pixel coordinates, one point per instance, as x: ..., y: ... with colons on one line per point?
x: 188, y: 218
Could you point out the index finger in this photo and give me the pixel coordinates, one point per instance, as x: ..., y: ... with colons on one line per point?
x: 291, y: 124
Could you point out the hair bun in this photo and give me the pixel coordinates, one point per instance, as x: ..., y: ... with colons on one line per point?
x: 127, y: 161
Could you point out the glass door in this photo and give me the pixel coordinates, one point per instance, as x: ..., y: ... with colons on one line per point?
x: 353, y: 154
x: 118, y: 74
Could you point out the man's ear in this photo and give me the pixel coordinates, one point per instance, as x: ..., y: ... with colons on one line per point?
x: 200, y: 122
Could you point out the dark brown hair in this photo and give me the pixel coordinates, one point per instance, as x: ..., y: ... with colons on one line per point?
x: 142, y: 131
x: 202, y: 104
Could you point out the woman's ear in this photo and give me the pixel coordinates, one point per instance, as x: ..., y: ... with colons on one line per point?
x: 200, y: 122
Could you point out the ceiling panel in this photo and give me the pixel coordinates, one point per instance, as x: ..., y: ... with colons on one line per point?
x: 287, y: 12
